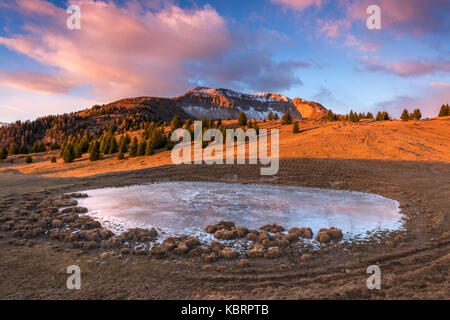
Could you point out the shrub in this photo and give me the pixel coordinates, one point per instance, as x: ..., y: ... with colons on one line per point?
x: 286, y: 119
x: 295, y: 128
x: 28, y: 159
x: 242, y: 120
x: 53, y: 159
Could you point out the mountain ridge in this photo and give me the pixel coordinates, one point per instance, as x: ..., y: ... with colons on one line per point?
x: 217, y: 103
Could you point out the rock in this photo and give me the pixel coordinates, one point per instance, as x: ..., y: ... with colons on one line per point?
x: 229, y: 253
x: 209, y: 257
x: 56, y: 223
x: 125, y: 251
x: 323, y: 237
x: 272, y: 253
x: 242, y: 230
x: 224, y: 234
x: 306, y: 257
x: 181, y: 248
x: 197, y: 252
x: 158, y: 252
x: 222, y: 225
x: 65, y: 203
x: 326, y: 235
x: 106, y: 234
x: 74, y: 210
x: 92, y: 235
x: 251, y: 236
x: 89, y: 245
x: 273, y: 228
x: 192, y: 242
x: 169, y: 244
x: 256, y: 252
x: 90, y: 224
x: 303, y: 232
x: 78, y: 195
x: 216, y: 246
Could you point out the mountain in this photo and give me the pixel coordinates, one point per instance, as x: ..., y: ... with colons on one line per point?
x: 211, y: 103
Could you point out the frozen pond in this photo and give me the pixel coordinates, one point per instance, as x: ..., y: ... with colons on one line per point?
x: 187, y: 207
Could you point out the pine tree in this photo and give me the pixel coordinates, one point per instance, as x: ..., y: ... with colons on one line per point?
x: 53, y: 159
x: 149, y: 149
x: 276, y: 117
x: 133, y: 148
x: 113, y: 146
x: 94, y: 151
x: 176, y: 123
x: 416, y: 114
x: 120, y: 156
x: 242, y: 119
x: 270, y: 116
x: 28, y: 159
x: 228, y: 117
x: 68, y: 154
x: 3, y: 153
x: 286, y: 118
x: 12, y: 149
x: 141, y: 148
x: 295, y: 128
x: 405, y: 115
x: 445, y: 111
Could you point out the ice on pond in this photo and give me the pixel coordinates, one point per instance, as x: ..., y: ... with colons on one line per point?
x: 178, y: 208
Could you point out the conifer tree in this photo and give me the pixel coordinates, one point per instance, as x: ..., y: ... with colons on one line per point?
x: 3, y: 153
x: 405, y: 115
x: 242, y: 119
x: 295, y: 128
x: 270, y: 116
x: 276, y: 117
x: 149, y: 149
x: 416, y: 114
x: 444, y: 111
x: 141, y: 148
x: 133, y: 148
x: 68, y: 154
x: 286, y: 118
x: 94, y: 151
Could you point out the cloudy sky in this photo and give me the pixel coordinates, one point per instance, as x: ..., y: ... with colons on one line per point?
x: 318, y: 50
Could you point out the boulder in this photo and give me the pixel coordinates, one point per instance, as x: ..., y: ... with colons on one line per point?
x: 272, y: 253
x: 326, y: 235
x: 273, y: 228
x: 229, y: 253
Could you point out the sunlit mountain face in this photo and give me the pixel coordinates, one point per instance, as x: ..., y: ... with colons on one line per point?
x: 351, y: 54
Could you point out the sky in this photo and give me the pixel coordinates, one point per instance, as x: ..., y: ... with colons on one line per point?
x: 320, y: 50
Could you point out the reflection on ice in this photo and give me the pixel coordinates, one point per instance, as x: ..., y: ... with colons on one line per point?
x: 187, y: 207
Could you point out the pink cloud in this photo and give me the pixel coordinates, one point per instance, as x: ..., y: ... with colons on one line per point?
x: 409, y: 68
x: 333, y: 29
x: 35, y: 81
x: 414, y: 17
x: 122, y: 51
x: 298, y: 5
